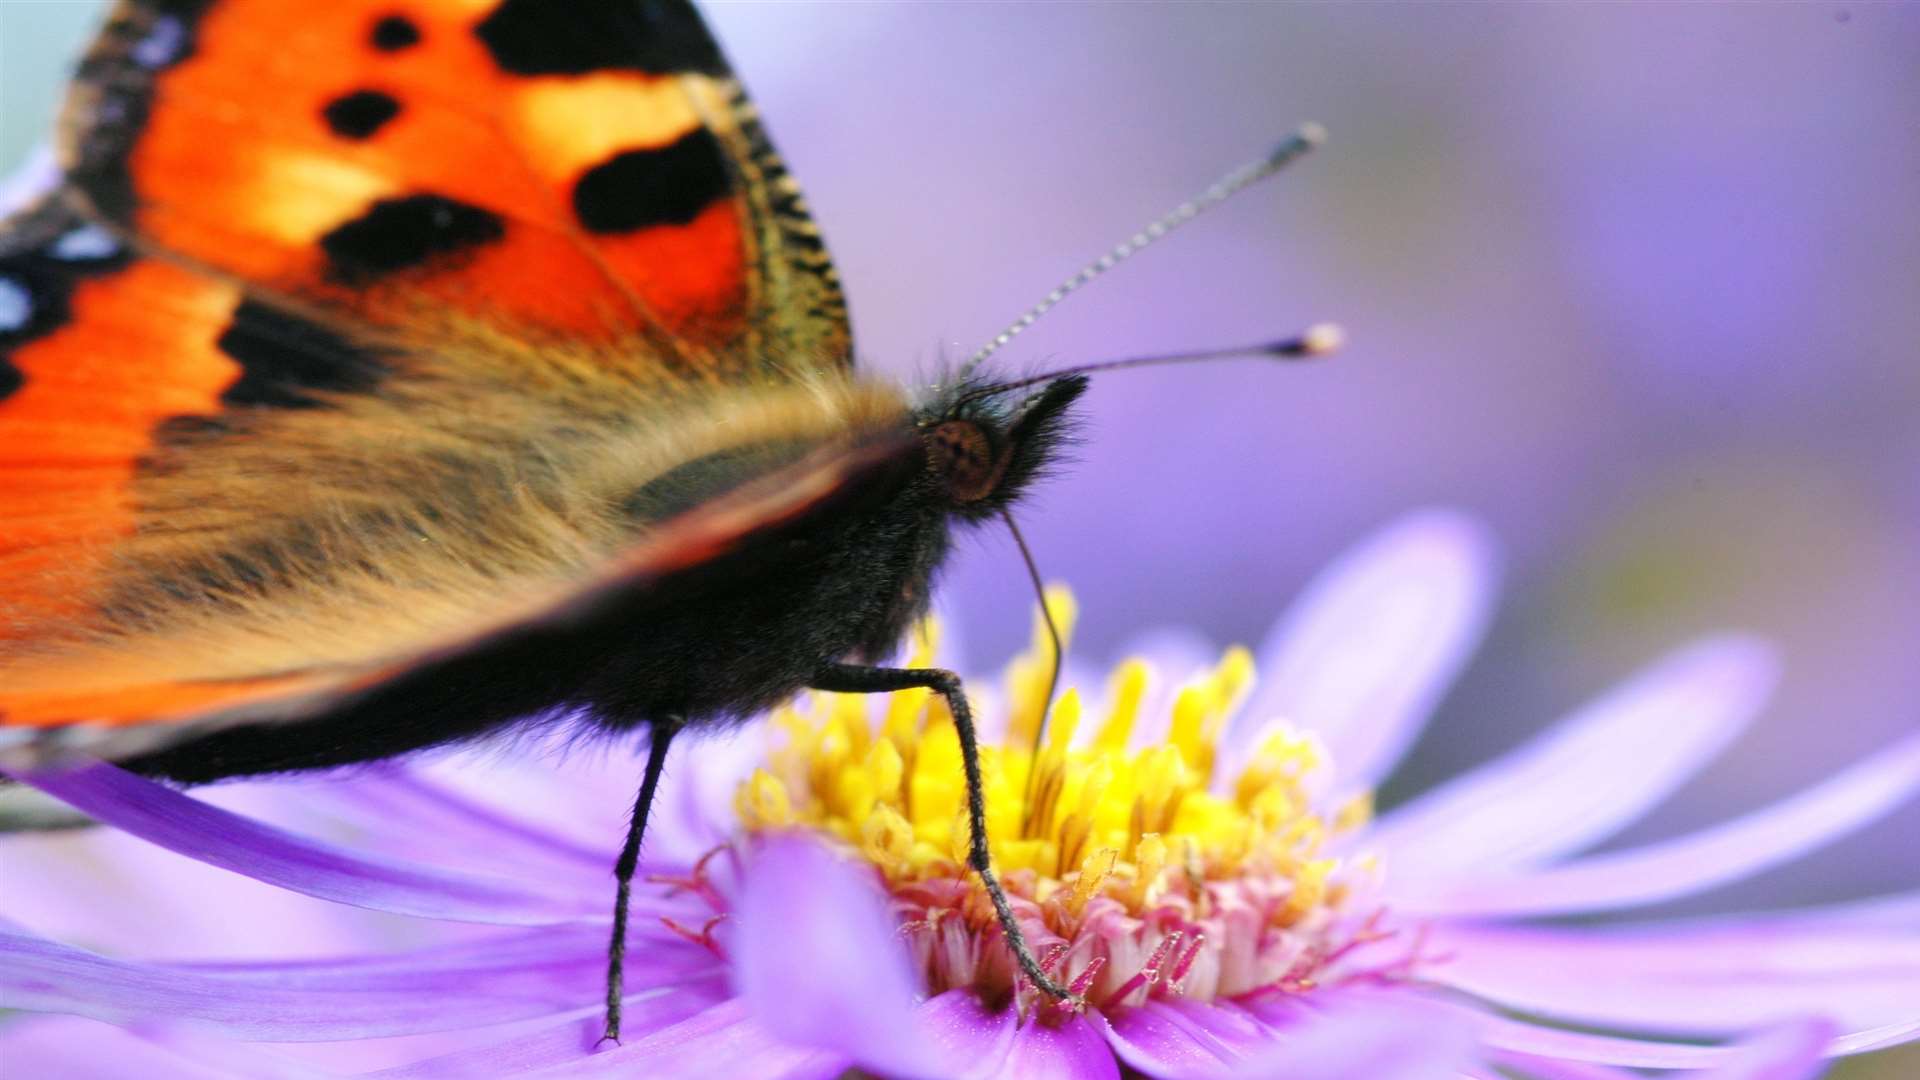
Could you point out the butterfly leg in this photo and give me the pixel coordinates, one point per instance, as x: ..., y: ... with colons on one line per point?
x: 659, y: 735
x: 857, y: 679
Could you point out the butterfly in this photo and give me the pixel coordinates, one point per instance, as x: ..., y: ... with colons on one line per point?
x: 381, y: 375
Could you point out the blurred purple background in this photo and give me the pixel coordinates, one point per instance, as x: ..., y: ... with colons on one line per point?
x: 1638, y: 284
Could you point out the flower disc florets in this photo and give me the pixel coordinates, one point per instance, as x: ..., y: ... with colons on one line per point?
x: 1136, y: 868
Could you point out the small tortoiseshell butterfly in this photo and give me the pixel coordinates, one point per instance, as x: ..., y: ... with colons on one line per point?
x: 384, y: 372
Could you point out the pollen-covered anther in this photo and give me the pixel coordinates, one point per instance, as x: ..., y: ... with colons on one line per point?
x: 1138, y: 869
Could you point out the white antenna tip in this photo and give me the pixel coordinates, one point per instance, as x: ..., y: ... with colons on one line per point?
x: 1311, y: 133
x: 1322, y: 338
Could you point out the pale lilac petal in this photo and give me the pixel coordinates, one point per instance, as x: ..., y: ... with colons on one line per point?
x: 1378, y: 1034
x: 372, y: 998
x: 1792, y: 1051
x: 1537, y: 1068
x: 72, y: 1048
x: 1689, y: 864
x: 403, y: 813
x: 47, y: 977
x: 667, y: 1041
x: 1592, y: 774
x: 1364, y: 655
x: 695, y: 811
x: 1518, y: 1036
x: 1901, y: 910
x: 1071, y: 1050
x: 187, y: 909
x: 1698, y: 980
x: 1879, y: 1038
x: 582, y: 790
x: 819, y: 961
x: 1795, y: 1051
x: 198, y: 830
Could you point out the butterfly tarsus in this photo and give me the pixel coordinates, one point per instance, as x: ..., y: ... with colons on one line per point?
x: 858, y: 679
x: 660, y: 736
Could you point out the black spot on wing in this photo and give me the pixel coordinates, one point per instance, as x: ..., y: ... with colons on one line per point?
x: 393, y: 33
x: 284, y: 360
x: 544, y: 37
x: 667, y: 185
x: 399, y: 234
x: 360, y: 114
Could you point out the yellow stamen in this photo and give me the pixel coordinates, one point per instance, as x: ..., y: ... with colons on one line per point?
x: 1102, y: 827
x: 1125, y: 690
x: 1093, y: 874
x: 1029, y: 674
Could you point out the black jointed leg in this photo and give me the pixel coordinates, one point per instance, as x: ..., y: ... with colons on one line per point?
x: 659, y: 735
x: 856, y: 679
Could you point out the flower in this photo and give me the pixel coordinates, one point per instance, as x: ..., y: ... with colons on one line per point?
x: 1217, y: 891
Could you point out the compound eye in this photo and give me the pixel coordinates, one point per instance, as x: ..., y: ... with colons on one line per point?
x: 960, y: 455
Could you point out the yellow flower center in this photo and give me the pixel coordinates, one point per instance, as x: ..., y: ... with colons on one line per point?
x: 1135, y: 870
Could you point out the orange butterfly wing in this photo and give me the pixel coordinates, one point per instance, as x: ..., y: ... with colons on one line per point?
x: 98, y: 350
x: 586, y: 171
x: 275, y: 210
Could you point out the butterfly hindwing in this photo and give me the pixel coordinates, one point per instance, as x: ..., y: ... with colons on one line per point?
x: 99, y: 349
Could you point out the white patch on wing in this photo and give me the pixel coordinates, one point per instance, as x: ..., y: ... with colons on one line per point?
x: 162, y: 45
x: 85, y: 243
x: 16, y: 305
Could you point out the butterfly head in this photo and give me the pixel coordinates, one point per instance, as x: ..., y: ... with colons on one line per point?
x: 984, y: 448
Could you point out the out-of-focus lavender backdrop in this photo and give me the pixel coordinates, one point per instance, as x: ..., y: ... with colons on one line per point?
x: 1638, y: 284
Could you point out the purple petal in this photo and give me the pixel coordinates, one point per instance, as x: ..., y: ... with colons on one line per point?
x: 1898, y: 911
x: 1378, y: 1034
x: 71, y: 1048
x: 963, y: 1030
x: 667, y: 1040
x: 1695, y: 980
x: 1180, y: 1038
x: 1792, y: 1051
x: 1795, y: 1051
x: 1593, y: 773
x: 470, y: 985
x: 186, y: 909
x: 193, y: 828
x: 819, y: 961
x: 1880, y: 1038
x: 1689, y: 864
x: 1786, y: 1052
x: 408, y: 815
x: 1538, y: 1068
x: 1072, y: 1049
x: 1363, y: 656
x: 703, y: 774
x: 1532, y: 1040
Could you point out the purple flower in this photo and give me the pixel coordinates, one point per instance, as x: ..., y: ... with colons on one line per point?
x: 1195, y: 853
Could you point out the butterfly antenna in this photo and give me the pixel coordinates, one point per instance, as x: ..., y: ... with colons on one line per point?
x: 1317, y: 340
x: 1306, y: 138
x: 1059, y: 650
